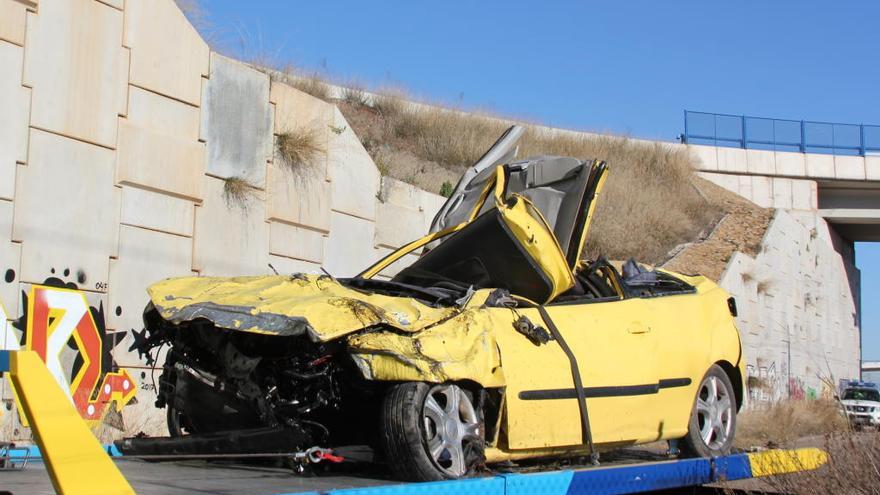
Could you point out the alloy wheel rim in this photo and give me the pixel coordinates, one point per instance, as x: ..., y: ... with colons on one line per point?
x: 714, y: 413
x: 450, y: 423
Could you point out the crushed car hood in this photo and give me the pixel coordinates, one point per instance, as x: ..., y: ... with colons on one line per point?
x: 318, y: 306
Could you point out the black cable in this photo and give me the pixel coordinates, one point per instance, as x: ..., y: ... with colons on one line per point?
x: 586, y: 433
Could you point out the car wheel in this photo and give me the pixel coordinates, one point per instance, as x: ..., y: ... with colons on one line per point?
x: 178, y: 423
x: 713, y: 418
x: 431, y: 432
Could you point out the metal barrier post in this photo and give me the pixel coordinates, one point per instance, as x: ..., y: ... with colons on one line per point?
x: 803, y: 138
x: 685, y: 140
x: 862, y: 139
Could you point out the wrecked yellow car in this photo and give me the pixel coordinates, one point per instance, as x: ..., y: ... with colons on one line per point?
x: 498, y: 343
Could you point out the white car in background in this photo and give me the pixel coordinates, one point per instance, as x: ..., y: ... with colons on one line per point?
x: 861, y: 402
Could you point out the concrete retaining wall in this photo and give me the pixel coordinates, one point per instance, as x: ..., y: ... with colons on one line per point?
x: 798, y: 309
x: 118, y: 131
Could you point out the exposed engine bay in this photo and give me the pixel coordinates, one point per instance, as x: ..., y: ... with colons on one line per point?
x: 216, y: 380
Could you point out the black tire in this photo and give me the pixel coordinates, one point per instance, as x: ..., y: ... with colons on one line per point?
x: 694, y: 445
x: 178, y: 423
x: 404, y: 435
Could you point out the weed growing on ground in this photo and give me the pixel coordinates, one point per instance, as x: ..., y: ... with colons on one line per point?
x: 354, y: 94
x: 446, y: 189
x: 783, y: 422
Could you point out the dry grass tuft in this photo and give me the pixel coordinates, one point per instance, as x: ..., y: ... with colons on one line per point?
x: 313, y: 85
x: 447, y: 137
x: 781, y: 423
x: 298, y: 148
x: 237, y: 191
x: 389, y: 105
x: 354, y: 94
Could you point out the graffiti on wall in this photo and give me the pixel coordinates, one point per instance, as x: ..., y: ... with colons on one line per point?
x: 766, y: 384
x: 763, y: 382
x: 70, y: 336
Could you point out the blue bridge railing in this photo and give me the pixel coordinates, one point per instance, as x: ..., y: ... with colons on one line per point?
x: 805, y: 136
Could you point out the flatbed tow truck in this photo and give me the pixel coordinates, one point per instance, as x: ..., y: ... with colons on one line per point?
x: 69, y: 457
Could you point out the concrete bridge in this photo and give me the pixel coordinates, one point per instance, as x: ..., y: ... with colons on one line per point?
x: 842, y: 189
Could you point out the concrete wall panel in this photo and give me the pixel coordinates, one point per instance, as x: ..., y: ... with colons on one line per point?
x: 761, y: 162
x: 10, y: 267
x: 793, y: 164
x: 12, y: 21
x: 296, y: 242
x: 10, y: 262
x: 782, y: 193
x: 159, y: 147
x: 230, y: 238
x: 67, y: 37
x: 6, y: 209
x: 745, y: 187
x: 820, y: 165
x: 157, y: 211
x: 167, y: 54
x: 350, y: 245
x: 762, y: 191
x: 355, y: 177
x: 159, y: 161
x: 237, y: 121
x: 288, y: 266
x: 708, y: 156
x: 296, y: 111
x: 732, y: 160
x: 803, y: 195
x: 163, y: 115
x: 14, y: 114
x: 66, y: 210
x: 398, y: 225
x: 872, y: 167
x: 299, y: 197
x: 431, y: 204
x: 849, y: 167
x: 727, y: 181
x: 400, y: 213
x: 145, y: 257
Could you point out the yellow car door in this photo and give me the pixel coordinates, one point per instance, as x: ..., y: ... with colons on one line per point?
x: 615, y: 344
x: 682, y: 358
x: 615, y: 350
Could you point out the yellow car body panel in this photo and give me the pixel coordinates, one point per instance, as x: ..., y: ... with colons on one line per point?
x: 288, y: 305
x: 462, y: 348
x: 524, y: 221
x: 530, y: 227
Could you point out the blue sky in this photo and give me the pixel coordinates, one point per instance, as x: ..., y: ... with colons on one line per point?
x: 626, y: 67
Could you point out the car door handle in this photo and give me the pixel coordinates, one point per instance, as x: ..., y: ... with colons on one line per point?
x: 636, y: 327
